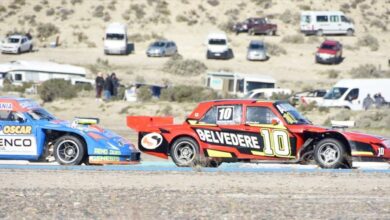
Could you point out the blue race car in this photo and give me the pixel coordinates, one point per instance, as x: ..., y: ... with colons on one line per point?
x: 29, y: 132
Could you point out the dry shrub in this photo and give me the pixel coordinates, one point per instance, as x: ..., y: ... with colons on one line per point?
x: 144, y: 94
x: 288, y: 17
x: 378, y: 24
x: 37, y: 8
x: 185, y: 93
x: 46, y: 30
x: 50, y: 12
x: 184, y: 67
x: 213, y: 2
x: 263, y: 3
x: 73, y: 2
x: 376, y: 118
x: 368, y: 41
x: 53, y: 89
x: 368, y: 71
x: 332, y: 74
x: 144, y: 37
x: 293, y: 39
x: 98, y: 12
x: 275, y: 50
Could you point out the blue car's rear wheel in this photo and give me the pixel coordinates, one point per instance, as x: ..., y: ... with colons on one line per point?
x: 69, y: 150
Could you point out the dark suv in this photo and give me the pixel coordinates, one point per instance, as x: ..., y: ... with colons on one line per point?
x: 256, y: 26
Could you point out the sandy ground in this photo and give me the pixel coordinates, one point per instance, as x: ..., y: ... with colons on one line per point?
x: 193, y: 195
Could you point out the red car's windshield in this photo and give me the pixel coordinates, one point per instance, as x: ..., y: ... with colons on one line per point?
x: 291, y: 114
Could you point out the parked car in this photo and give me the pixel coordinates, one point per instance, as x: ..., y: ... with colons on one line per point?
x: 257, y: 51
x: 115, y: 40
x: 161, y: 48
x: 218, y: 46
x: 256, y: 26
x: 267, y: 93
x: 253, y: 131
x: 307, y: 97
x: 29, y: 132
x: 330, y: 52
x: 326, y: 22
x: 17, y: 44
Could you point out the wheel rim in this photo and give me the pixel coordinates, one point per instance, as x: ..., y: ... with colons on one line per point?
x: 185, y: 152
x: 68, y: 151
x: 329, y: 153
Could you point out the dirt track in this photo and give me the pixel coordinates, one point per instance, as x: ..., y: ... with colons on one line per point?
x: 193, y: 195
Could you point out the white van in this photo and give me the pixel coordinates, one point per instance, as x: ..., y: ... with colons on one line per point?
x: 218, y: 46
x: 115, y: 40
x: 350, y: 93
x: 326, y: 22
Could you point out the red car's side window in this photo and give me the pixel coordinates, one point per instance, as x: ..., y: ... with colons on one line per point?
x: 223, y: 115
x: 259, y: 115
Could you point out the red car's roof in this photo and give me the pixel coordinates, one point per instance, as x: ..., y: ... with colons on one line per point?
x: 203, y: 107
x: 330, y: 42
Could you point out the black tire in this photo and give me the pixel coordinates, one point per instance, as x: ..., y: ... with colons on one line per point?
x: 213, y: 163
x: 208, y: 56
x: 330, y: 153
x: 251, y: 32
x: 350, y: 32
x: 31, y: 48
x: 185, y: 152
x: 69, y: 150
x: 270, y: 33
x: 19, y: 51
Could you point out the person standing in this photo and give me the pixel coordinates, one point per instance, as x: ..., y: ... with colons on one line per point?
x: 99, y: 83
x: 107, y: 87
x: 115, y: 85
x: 367, y: 102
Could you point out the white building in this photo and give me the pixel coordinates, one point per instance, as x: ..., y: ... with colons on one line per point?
x: 37, y: 71
x: 238, y: 83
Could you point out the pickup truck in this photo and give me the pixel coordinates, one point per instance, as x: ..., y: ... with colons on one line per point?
x: 17, y: 44
x: 256, y: 26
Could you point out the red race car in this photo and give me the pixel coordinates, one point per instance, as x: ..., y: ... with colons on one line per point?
x: 253, y: 131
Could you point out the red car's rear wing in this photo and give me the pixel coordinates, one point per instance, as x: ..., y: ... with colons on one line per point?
x: 141, y: 123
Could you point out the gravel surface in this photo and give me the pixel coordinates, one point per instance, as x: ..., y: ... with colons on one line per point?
x: 192, y: 195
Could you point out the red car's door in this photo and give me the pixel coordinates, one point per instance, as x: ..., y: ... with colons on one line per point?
x: 276, y: 141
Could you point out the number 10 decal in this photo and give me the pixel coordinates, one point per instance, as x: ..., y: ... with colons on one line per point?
x: 276, y: 142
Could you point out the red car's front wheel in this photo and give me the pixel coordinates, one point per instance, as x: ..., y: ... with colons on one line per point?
x: 331, y: 153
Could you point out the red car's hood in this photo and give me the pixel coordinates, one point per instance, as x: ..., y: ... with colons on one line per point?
x: 351, y: 136
x: 326, y: 51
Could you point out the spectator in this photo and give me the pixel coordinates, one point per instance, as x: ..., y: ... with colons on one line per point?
x: 379, y: 100
x: 107, y: 87
x: 115, y: 84
x: 367, y: 102
x: 99, y: 83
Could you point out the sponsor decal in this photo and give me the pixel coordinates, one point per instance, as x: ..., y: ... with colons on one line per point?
x: 106, y: 151
x: 18, y: 145
x: 100, y: 151
x: 28, y: 104
x: 151, y: 141
x: 6, y: 106
x: 103, y: 158
x: 226, y: 138
x: 8, y: 129
x: 225, y: 113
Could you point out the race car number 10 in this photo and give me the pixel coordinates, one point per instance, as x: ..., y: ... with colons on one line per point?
x: 276, y: 142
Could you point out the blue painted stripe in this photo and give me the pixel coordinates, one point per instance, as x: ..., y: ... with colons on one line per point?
x: 167, y: 166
